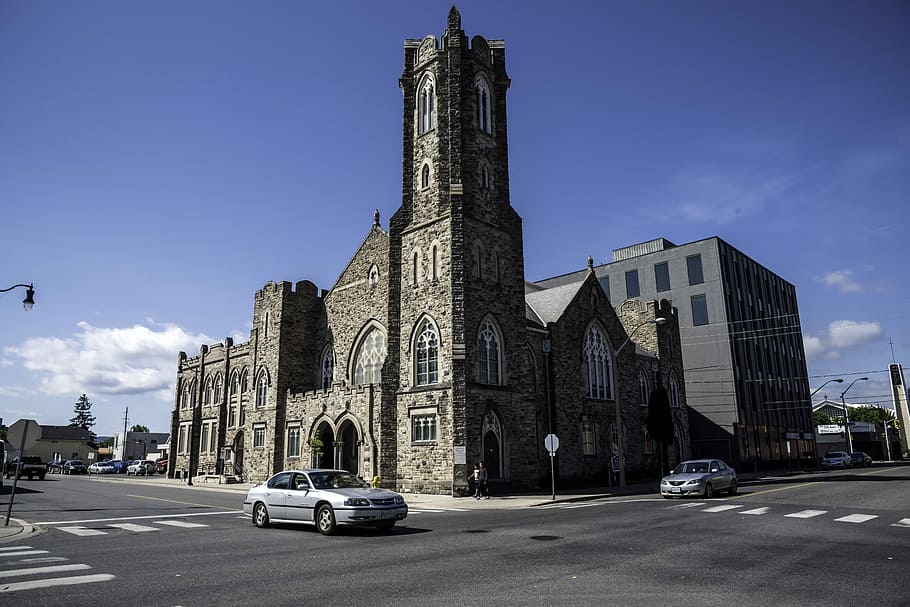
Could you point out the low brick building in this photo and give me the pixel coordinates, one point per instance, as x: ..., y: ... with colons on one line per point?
x: 431, y: 352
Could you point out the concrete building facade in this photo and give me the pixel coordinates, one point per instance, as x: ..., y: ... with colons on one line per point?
x: 746, y: 377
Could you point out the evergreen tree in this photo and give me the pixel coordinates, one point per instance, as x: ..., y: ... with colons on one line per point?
x: 139, y: 428
x: 83, y: 418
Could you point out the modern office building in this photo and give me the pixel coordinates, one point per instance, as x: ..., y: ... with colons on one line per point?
x: 745, y: 368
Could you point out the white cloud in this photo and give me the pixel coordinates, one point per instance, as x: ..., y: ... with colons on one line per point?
x: 840, y: 335
x: 134, y: 360
x: 842, y: 280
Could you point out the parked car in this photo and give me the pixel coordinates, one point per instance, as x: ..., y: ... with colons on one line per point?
x: 32, y: 467
x: 161, y: 465
x: 101, y: 468
x: 141, y: 466
x: 74, y: 466
x: 702, y: 477
x: 55, y: 466
x: 861, y: 458
x: 119, y: 466
x: 836, y: 459
x: 324, y: 498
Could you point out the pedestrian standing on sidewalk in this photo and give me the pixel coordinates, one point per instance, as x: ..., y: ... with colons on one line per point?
x: 476, y: 479
x: 480, y: 479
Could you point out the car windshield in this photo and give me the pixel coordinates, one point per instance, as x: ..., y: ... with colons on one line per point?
x: 335, y: 480
x: 691, y: 468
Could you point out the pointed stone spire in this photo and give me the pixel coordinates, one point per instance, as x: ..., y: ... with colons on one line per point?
x: 376, y: 217
x: 454, y: 19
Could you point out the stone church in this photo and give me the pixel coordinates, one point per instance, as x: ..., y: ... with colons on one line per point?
x: 431, y: 351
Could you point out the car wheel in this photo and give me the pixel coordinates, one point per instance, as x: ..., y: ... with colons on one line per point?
x: 325, y: 520
x: 733, y: 487
x: 709, y: 491
x: 260, y: 515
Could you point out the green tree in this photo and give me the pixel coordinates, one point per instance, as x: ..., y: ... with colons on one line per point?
x: 83, y: 418
x: 660, y: 422
x: 139, y: 428
x: 871, y: 414
x: 820, y: 418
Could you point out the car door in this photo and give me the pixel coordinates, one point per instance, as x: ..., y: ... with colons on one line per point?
x: 275, y: 495
x: 720, y: 475
x: 300, y: 498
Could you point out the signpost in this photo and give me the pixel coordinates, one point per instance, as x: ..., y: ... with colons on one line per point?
x: 26, y: 432
x: 551, y: 442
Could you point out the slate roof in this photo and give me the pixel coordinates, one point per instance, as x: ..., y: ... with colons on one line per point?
x: 549, y: 305
x: 65, y: 433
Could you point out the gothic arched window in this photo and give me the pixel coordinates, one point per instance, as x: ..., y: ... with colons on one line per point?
x: 482, y: 106
x: 185, y: 398
x: 674, y: 391
x: 427, y: 106
x: 262, y: 389
x: 484, y: 178
x: 644, y: 391
x: 219, y: 382
x: 427, y: 354
x: 598, y: 363
x: 369, y: 358
x: 435, y: 262
x: 425, y: 177
x: 208, y: 391
x: 488, y: 355
x: 328, y: 367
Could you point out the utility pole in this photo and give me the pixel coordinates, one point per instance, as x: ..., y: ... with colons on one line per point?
x: 126, y: 416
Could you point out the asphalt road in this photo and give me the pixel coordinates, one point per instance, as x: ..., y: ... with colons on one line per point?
x: 822, y: 539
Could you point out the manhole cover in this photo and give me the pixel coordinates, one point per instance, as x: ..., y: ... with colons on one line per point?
x: 545, y: 538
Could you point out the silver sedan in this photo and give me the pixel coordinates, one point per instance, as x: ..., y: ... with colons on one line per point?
x: 701, y: 477
x: 325, y: 498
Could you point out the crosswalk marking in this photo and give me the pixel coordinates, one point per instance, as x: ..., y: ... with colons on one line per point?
x: 762, y: 510
x: 24, y: 551
x: 38, y: 570
x: 82, y: 531
x: 904, y: 522
x: 684, y: 506
x: 723, y: 508
x: 133, y: 527
x: 856, y: 518
x: 806, y: 513
x: 183, y: 524
x: 60, y: 581
x: 13, y: 549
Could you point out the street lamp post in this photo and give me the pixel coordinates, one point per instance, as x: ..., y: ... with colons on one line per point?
x: 846, y: 414
x: 29, y: 300
x: 620, y: 443
x: 838, y: 380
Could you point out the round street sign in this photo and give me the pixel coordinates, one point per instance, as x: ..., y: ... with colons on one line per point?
x: 27, y: 429
x: 551, y: 442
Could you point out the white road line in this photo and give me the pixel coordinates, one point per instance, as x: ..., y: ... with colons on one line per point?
x: 904, y: 522
x: 60, y: 581
x: 133, y: 527
x: 684, y: 506
x: 183, y: 524
x: 424, y: 511
x: 37, y: 570
x: 806, y: 513
x: 723, y: 508
x: 137, y: 518
x: 14, y: 548
x: 762, y: 510
x: 82, y: 531
x: 856, y: 518
x: 45, y: 559
x: 23, y: 552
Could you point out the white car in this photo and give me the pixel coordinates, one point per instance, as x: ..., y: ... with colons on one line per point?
x: 101, y: 468
x: 701, y: 477
x: 142, y: 466
x: 325, y: 498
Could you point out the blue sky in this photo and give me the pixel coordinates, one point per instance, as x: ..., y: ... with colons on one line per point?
x: 160, y: 161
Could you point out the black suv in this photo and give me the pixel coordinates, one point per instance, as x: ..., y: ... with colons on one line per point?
x: 32, y: 467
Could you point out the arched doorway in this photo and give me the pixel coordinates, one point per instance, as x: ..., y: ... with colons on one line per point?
x: 237, y: 455
x: 325, y: 459
x: 348, y: 447
x: 491, y: 445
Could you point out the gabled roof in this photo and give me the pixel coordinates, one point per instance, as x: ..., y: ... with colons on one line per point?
x: 65, y: 433
x: 549, y: 305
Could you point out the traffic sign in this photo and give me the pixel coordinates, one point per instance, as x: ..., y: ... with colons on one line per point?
x: 551, y: 442
x: 23, y: 434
